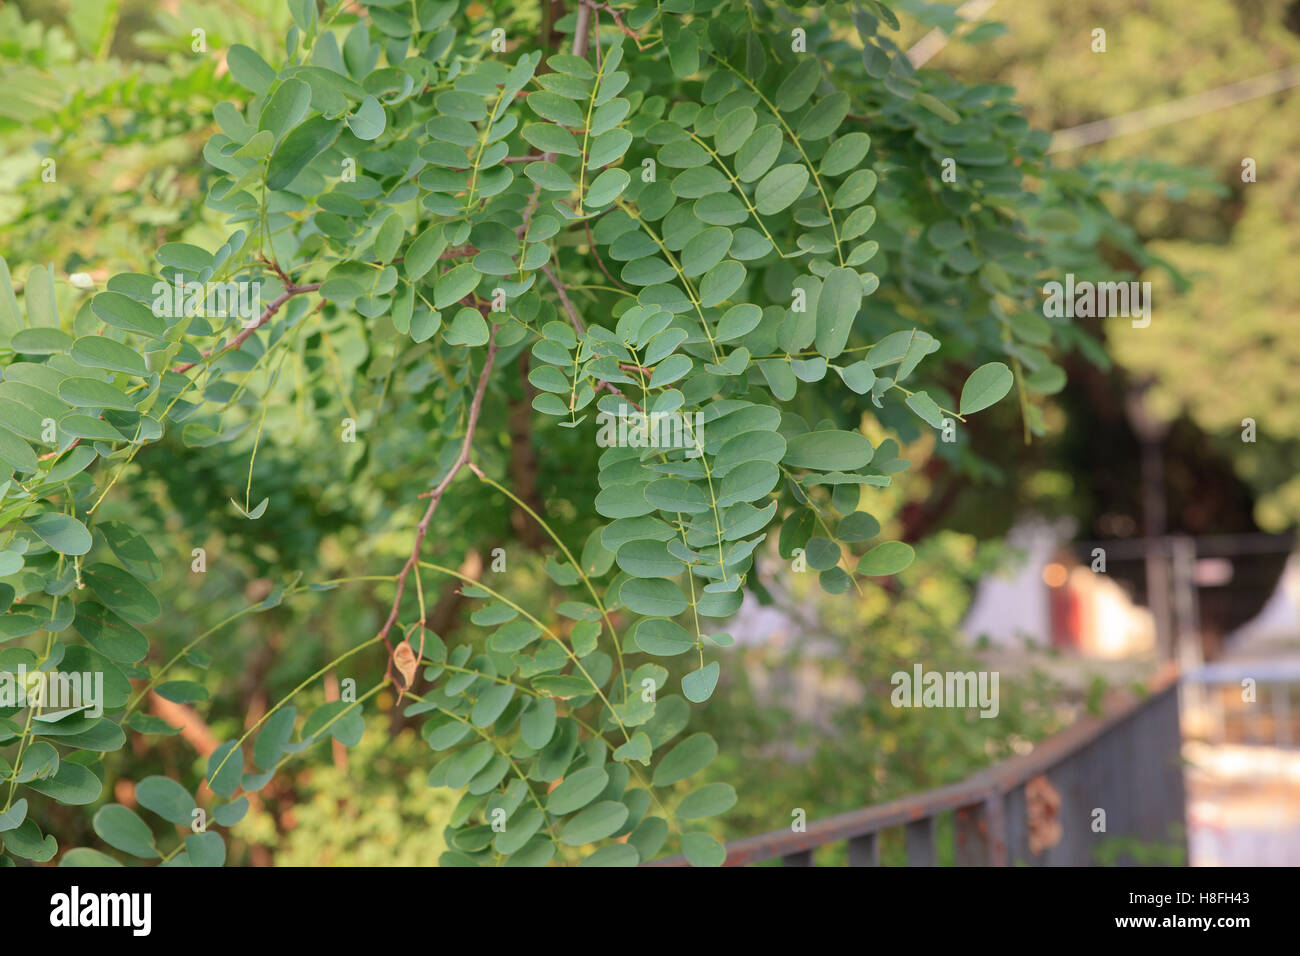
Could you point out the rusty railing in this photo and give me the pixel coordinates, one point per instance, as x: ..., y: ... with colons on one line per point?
x: 1035, y: 810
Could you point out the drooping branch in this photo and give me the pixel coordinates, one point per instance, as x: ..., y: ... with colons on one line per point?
x: 435, y: 496
x: 289, y: 292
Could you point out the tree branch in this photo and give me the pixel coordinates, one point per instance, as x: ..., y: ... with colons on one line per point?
x: 289, y: 292
x: 564, y: 298
x: 435, y: 496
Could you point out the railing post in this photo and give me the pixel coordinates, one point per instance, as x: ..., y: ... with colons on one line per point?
x: 918, y: 839
x: 864, y: 850
x: 980, y: 837
x: 802, y: 858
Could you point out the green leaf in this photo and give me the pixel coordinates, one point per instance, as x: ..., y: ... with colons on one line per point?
x: 779, y: 188
x: 121, y: 829
x: 85, y: 856
x: 42, y: 309
x: 467, y: 328
x: 837, y: 307
x: 855, y: 189
x: 653, y: 597
x: 557, y: 109
x: 490, y: 704
x: 738, y: 321
x: 96, y: 351
x: 41, y: 341
x: 205, y: 849
x: 369, y: 120
x: 274, y: 737
x: 721, y: 282
x: 661, y: 637
x: 167, y: 798
x: 122, y: 593
x: 577, y: 790
x: 616, y: 854
x: 26, y: 842
x: 828, y: 450
x: 606, y: 188
x: 286, y: 108
x: 938, y: 106
x: 698, y: 685
x: 925, y: 407
x: 132, y: 550
x: 249, y: 69
x: 845, y: 153
x: 454, y: 285
x: 423, y: 253
x: 537, y: 725
x: 701, y: 849
x: 799, y: 84
x: 92, y: 393
x: 225, y: 782
x: 72, y: 785
x: 638, y: 749
x: 299, y: 148
x: 182, y: 691
x: 885, y: 559
x: 758, y: 154
x: 63, y: 533
x: 707, y: 801
x: 595, y: 823
x: 987, y: 385
x: 15, y: 815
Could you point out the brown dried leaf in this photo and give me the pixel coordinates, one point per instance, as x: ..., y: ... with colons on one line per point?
x: 406, y: 662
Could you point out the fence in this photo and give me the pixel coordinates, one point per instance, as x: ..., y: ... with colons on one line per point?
x: 1126, y: 764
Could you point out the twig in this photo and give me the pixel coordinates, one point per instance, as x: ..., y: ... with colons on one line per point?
x: 289, y: 292
x: 435, y: 496
x: 591, y: 241
x: 582, y: 30
x: 618, y: 20
x: 564, y: 298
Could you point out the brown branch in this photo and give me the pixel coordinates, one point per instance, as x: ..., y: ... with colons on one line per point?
x: 435, y: 496
x: 611, y: 387
x: 564, y: 298
x: 523, y: 460
x: 591, y: 240
x: 582, y: 30
x: 289, y: 292
x: 618, y: 20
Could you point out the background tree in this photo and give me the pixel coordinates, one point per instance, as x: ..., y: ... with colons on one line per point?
x: 476, y: 230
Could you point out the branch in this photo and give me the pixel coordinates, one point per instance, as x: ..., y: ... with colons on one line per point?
x: 618, y: 19
x: 289, y: 292
x: 582, y: 31
x: 435, y: 496
x: 564, y: 298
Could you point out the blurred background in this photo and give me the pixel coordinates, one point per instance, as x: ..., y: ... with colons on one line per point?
x: 1154, y: 524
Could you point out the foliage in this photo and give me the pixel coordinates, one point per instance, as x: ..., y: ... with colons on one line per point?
x: 656, y: 209
x: 1221, y: 349
x: 851, y: 748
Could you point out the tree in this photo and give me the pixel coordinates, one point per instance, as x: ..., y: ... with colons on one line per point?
x: 502, y: 282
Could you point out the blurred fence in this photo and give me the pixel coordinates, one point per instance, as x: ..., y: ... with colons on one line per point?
x: 1035, y: 810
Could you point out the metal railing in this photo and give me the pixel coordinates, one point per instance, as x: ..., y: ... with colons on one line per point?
x: 1126, y: 764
